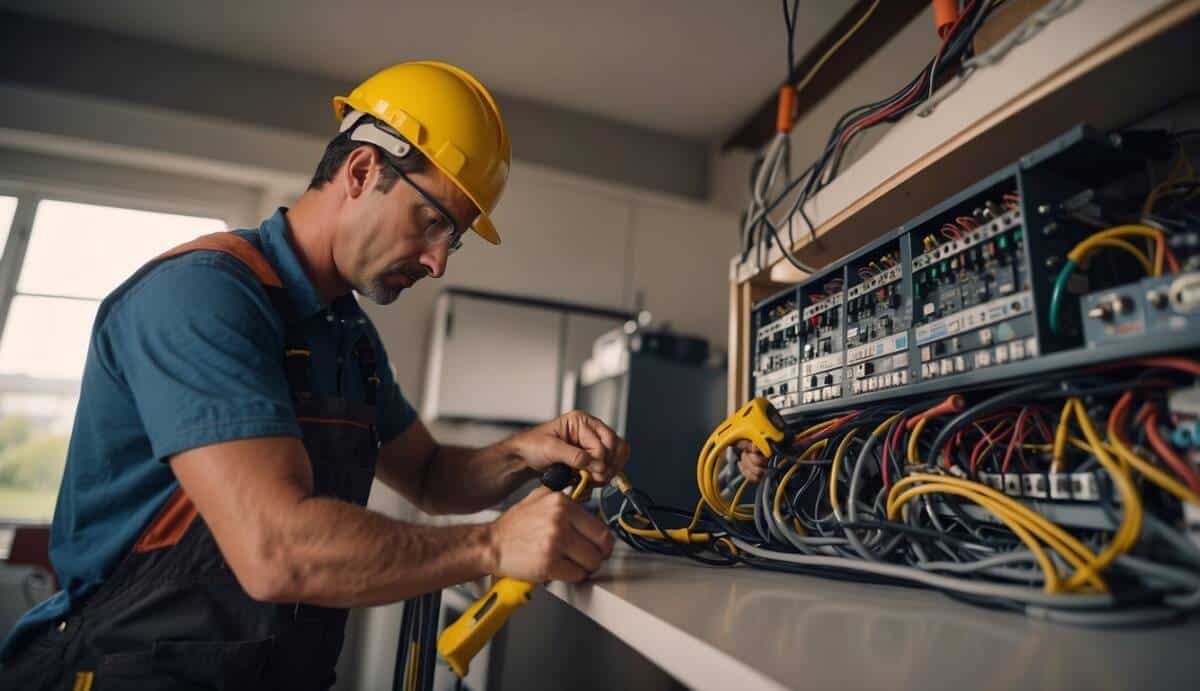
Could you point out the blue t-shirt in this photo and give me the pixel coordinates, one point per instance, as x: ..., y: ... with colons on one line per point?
x: 189, y: 354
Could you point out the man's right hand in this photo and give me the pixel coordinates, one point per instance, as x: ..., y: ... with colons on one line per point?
x: 548, y: 537
x: 751, y: 461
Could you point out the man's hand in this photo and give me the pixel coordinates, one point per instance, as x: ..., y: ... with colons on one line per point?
x: 577, y: 439
x: 548, y: 537
x: 752, y: 463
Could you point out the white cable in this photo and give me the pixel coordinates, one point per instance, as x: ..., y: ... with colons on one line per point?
x: 1027, y: 30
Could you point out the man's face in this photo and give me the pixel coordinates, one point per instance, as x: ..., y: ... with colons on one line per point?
x: 383, y: 241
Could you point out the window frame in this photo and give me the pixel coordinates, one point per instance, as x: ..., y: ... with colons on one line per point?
x: 30, y: 191
x: 30, y: 194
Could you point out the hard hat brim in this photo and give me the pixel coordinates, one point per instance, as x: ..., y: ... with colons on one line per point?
x: 483, y: 228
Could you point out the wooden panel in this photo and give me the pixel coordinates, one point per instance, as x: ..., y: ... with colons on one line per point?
x: 742, y: 297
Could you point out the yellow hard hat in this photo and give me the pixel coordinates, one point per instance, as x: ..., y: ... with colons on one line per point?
x: 451, y: 118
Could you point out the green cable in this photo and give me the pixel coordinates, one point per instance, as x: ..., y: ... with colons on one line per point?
x: 1060, y: 287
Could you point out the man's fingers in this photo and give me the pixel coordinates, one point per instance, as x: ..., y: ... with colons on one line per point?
x: 589, y: 438
x: 589, y: 527
x: 622, y: 458
x: 566, y: 570
x: 752, y: 464
x: 607, y: 436
x: 559, y: 451
x: 535, y: 494
x: 581, y: 550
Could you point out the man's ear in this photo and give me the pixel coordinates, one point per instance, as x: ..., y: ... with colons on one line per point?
x: 359, y: 171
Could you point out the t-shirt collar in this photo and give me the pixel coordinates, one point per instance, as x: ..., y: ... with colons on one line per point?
x: 277, y: 246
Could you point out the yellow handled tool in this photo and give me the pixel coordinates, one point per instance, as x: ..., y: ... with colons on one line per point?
x: 758, y: 422
x: 463, y: 639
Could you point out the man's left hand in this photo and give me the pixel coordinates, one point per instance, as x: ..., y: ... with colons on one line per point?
x: 576, y: 439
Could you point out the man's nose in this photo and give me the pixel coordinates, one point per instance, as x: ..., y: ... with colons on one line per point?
x: 434, y: 260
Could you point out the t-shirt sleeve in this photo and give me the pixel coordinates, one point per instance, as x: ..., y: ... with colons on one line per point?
x: 200, y: 348
x: 394, y: 413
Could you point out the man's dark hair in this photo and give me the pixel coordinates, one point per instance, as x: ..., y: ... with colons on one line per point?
x: 340, y: 147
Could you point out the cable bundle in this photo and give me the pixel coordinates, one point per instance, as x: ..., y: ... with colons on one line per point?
x: 759, y: 231
x: 1060, y: 499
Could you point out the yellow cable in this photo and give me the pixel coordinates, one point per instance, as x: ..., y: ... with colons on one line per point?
x: 836, y: 467
x: 733, y: 505
x: 695, y: 516
x: 1153, y: 474
x: 1131, y: 521
x: 1052, y: 584
x: 410, y: 675
x: 1128, y: 247
x: 1063, y: 542
x: 1089, y: 245
x: 1060, y: 439
x: 913, y: 457
x: 834, y: 48
x: 676, y: 534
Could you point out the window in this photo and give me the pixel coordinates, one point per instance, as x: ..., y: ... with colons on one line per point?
x: 73, y: 256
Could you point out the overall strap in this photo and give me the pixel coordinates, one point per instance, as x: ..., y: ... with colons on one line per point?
x: 364, y: 352
x: 173, y: 519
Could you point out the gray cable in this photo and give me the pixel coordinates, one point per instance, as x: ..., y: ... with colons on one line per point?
x: 852, y: 498
x: 1109, y: 620
x: 1186, y: 549
x: 1029, y: 596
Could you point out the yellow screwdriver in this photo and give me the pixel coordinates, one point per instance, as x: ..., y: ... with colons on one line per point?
x: 460, y: 642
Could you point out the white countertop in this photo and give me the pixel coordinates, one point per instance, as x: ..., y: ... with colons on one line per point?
x: 737, y: 629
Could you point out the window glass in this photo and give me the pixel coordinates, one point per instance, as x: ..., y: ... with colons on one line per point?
x: 77, y: 254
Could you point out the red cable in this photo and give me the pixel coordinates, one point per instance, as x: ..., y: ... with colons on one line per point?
x: 1182, y: 364
x: 887, y: 445
x: 1181, y: 467
x: 1001, y: 435
x: 919, y: 87
x: 1018, y: 431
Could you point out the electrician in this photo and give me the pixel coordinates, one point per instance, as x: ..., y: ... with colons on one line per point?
x: 237, y: 403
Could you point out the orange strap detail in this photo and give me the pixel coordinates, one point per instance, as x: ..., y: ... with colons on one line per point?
x: 332, y: 421
x: 169, y: 525
x: 234, y: 246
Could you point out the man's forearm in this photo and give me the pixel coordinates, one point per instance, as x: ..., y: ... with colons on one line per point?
x: 463, y: 480
x: 335, y: 554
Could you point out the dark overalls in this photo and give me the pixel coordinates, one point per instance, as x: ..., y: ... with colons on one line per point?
x: 172, y: 615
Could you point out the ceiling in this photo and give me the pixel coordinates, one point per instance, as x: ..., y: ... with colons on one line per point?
x: 694, y: 68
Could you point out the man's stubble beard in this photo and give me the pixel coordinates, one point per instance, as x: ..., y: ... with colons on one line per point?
x: 377, y: 290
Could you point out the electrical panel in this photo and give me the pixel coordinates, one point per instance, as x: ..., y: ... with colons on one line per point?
x: 777, y: 353
x: 1150, y: 308
x: 878, y: 318
x: 971, y: 293
x: 822, y: 352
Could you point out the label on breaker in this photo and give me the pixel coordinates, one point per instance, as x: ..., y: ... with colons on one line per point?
x: 784, y: 401
x: 789, y: 319
x: 972, y: 238
x: 822, y: 306
x: 878, y: 281
x: 790, y: 372
x: 822, y: 364
x: 879, y: 348
x: 975, y: 317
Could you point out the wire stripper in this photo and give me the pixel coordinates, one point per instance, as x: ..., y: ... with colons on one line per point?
x: 463, y: 639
